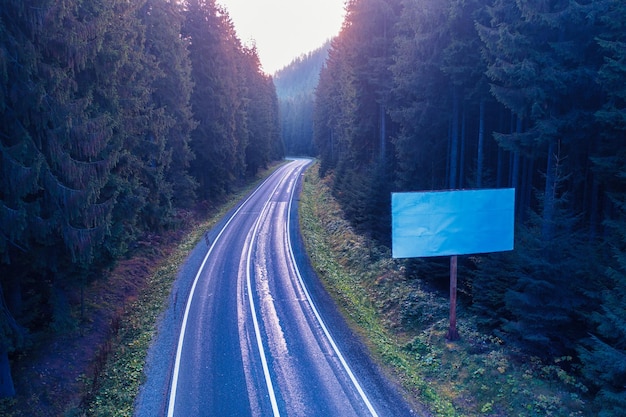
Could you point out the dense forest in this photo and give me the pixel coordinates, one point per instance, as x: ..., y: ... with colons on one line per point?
x: 451, y: 94
x: 116, y: 119
x: 295, y: 87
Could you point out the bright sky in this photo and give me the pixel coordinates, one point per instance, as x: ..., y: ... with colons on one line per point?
x: 285, y: 29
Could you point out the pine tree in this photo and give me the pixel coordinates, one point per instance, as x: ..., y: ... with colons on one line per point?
x: 335, y: 98
x: 215, y: 100
x: 259, y: 109
x: 171, y: 92
x: 604, y: 353
x: 19, y: 179
x: 419, y: 98
x: 144, y: 195
x: 368, y: 36
x: 463, y: 63
x: 352, y: 128
x: 541, y: 61
x: 550, y: 290
x: 57, y: 153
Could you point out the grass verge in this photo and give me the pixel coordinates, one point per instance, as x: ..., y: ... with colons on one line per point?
x: 404, y: 325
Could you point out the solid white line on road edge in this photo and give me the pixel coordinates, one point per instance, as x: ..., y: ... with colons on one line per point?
x: 181, y: 338
x: 345, y: 365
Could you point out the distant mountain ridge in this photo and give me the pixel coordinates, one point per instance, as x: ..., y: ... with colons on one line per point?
x: 295, y: 88
x: 302, y: 74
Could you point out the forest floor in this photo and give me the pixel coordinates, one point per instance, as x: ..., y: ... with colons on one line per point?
x: 59, y: 369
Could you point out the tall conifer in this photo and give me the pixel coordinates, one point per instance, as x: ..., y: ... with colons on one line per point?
x: 604, y: 353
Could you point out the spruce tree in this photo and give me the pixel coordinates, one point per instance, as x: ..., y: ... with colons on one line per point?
x: 57, y: 154
x: 541, y: 63
x: 334, y: 104
x: 257, y: 112
x: 171, y: 92
x: 19, y: 172
x: 604, y: 353
x: 419, y: 96
x: 215, y: 100
x: 353, y: 96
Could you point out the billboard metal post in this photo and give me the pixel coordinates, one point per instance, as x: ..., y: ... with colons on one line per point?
x: 453, y: 333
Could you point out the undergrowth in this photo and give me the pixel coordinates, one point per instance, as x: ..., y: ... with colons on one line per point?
x: 404, y: 324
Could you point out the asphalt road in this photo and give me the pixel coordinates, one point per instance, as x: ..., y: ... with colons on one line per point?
x: 256, y: 334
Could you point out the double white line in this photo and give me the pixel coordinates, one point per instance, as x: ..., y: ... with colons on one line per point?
x: 268, y: 379
x: 181, y: 337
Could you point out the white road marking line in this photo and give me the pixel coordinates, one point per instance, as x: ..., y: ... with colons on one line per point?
x: 257, y: 330
x: 181, y: 338
x: 345, y: 365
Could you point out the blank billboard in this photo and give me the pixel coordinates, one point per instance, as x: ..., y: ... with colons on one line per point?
x: 441, y: 223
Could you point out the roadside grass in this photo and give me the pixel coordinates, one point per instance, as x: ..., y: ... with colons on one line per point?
x: 404, y: 325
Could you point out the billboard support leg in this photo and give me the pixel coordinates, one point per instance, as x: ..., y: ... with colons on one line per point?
x: 453, y: 333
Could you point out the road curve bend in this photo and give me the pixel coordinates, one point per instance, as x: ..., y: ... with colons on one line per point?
x: 255, y: 334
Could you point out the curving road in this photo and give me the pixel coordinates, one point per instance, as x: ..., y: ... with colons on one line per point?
x: 259, y: 335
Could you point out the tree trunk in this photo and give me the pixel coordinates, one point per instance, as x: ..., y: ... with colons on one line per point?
x: 499, y: 170
x: 383, y: 133
x: 453, y: 333
x: 595, y: 204
x: 462, y: 156
x: 332, y: 147
x: 481, y: 138
x: 454, y: 140
x: 528, y: 186
x: 7, y: 389
x: 515, y: 170
x: 547, y: 221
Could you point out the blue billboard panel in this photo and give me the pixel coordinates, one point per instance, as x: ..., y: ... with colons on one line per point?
x: 441, y: 223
